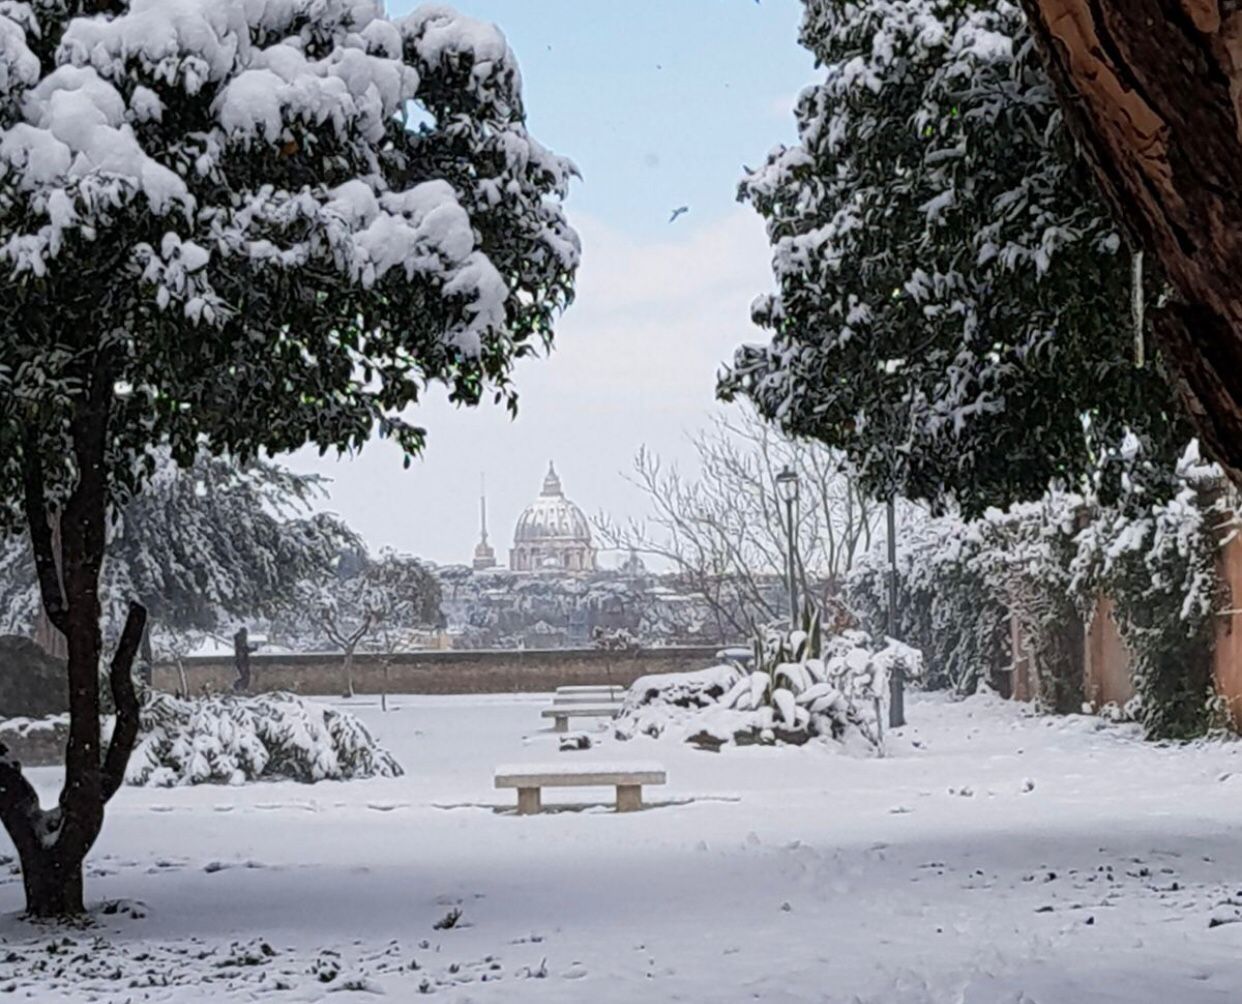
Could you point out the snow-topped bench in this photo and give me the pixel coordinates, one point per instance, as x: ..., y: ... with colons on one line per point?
x: 611, y: 693
x: 627, y: 778
x: 599, y: 699
x: 563, y: 712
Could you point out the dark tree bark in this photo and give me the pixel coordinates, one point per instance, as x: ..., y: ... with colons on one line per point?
x: 241, y: 660
x: 52, y: 844
x: 1152, y: 90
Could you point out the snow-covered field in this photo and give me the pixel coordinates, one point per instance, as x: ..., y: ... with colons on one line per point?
x: 992, y: 857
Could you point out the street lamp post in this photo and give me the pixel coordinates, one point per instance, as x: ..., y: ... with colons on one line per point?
x: 787, y: 488
x: 896, y: 684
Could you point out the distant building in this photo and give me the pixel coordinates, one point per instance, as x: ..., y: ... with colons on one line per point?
x: 552, y: 534
x: 633, y: 566
x: 484, y: 554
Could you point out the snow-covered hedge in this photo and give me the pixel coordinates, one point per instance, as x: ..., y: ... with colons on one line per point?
x: 799, y: 688
x: 234, y: 739
x: 1044, y: 565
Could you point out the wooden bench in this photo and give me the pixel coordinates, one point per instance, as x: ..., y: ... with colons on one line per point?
x: 564, y: 712
x: 531, y: 779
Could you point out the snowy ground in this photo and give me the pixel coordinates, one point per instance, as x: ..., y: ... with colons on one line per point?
x: 993, y: 857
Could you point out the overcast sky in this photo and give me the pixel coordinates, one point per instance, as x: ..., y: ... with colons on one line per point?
x: 659, y: 103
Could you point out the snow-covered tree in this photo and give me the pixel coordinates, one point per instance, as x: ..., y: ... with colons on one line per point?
x: 724, y: 529
x: 200, y: 548
x: 239, y: 227
x: 372, y: 604
x: 953, y: 304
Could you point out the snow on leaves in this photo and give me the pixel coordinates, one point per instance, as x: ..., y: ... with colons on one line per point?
x: 232, y: 740
x: 946, y: 284
x: 315, y: 200
x: 798, y: 689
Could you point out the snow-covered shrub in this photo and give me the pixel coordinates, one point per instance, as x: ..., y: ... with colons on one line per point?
x: 950, y: 604
x: 697, y: 689
x: 1157, y: 561
x: 800, y: 686
x: 961, y: 584
x: 1153, y: 551
x: 233, y: 739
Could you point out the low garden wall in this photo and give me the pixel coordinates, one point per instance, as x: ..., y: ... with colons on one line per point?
x: 437, y: 672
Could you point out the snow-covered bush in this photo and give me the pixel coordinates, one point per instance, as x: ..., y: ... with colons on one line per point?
x: 1157, y: 561
x: 950, y: 604
x: 232, y: 740
x: 1043, y: 566
x: 799, y: 686
x: 962, y: 583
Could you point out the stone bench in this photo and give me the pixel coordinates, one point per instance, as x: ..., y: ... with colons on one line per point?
x: 627, y: 778
x: 615, y: 692
x: 564, y: 712
x: 600, y: 700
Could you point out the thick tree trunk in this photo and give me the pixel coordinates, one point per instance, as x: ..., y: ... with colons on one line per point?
x: 53, y: 887
x: 52, y: 844
x: 1152, y: 89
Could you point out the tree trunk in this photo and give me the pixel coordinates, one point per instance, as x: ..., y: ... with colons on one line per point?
x: 52, y: 844
x: 1152, y: 90
x: 241, y: 660
x: 348, y: 669
x: 53, y: 887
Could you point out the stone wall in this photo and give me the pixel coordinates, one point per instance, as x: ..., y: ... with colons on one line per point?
x: 434, y: 672
x: 1107, y: 677
x: 38, y: 742
x: 1227, y: 651
x: 1107, y: 662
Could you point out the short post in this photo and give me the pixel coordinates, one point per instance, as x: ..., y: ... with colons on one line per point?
x: 529, y: 801
x: 562, y: 724
x: 629, y: 797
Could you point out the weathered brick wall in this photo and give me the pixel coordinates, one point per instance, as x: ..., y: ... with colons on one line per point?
x: 461, y: 672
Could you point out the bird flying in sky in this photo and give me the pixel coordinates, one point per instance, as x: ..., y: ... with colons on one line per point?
x: 679, y: 211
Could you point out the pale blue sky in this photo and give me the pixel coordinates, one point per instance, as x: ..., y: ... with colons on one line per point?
x: 659, y: 104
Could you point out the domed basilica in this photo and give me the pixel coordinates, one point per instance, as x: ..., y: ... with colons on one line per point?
x: 552, y: 535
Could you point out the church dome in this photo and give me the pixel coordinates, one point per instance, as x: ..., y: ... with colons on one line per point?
x: 552, y: 517
x: 552, y: 533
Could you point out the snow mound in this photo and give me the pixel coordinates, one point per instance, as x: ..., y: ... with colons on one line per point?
x: 234, y: 739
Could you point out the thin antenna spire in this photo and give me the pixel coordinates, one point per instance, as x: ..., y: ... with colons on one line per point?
x: 483, y: 506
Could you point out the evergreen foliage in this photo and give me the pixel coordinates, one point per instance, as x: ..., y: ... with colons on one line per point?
x: 1043, y: 567
x: 199, y: 548
x: 953, y: 300
x: 238, y: 228
x: 232, y: 740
